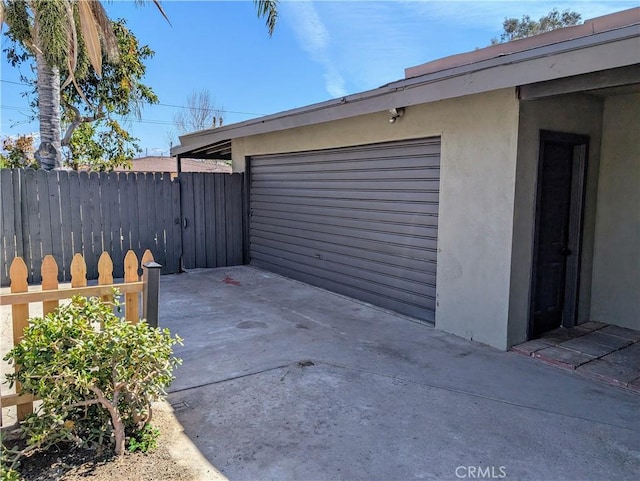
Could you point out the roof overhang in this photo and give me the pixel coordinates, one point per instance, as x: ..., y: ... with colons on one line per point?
x: 218, y: 150
x: 597, y: 52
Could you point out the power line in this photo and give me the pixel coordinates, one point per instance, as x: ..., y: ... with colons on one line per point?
x: 167, y: 105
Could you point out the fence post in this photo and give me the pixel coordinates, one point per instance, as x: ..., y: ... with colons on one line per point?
x: 150, y: 296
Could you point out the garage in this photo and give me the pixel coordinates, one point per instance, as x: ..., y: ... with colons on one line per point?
x: 360, y: 221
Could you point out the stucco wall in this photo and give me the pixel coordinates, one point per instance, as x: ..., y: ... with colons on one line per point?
x: 479, y: 144
x: 576, y: 114
x: 616, y: 261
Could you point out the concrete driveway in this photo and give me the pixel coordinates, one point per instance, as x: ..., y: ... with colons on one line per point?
x: 283, y: 381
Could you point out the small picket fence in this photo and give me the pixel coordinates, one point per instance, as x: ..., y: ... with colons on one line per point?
x: 49, y: 294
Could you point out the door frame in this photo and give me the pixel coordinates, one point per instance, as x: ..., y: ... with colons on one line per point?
x: 580, y: 145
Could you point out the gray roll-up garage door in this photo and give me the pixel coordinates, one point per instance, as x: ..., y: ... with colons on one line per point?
x: 361, y: 221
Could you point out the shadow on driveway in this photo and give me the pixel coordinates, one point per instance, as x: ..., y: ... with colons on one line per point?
x: 284, y: 381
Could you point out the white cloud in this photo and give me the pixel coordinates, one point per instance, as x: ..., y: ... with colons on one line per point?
x: 315, y: 39
x: 362, y: 45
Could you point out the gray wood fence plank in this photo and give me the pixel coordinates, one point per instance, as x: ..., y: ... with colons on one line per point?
x: 199, y: 219
x: 162, y: 217
x: 55, y: 216
x: 219, y: 218
x: 233, y: 194
x: 126, y: 197
x: 66, y: 226
x: 143, y: 214
x: 18, y: 188
x: 31, y: 223
x: 165, y: 206
x: 8, y: 226
x: 228, y: 218
x: 176, y: 251
x: 156, y: 218
x: 188, y: 231
x: 75, y: 209
x: 95, y: 228
x: 44, y: 215
x: 210, y: 224
x: 106, y: 193
x: 86, y: 212
x: 132, y: 207
x: 115, y: 207
x: 148, y: 240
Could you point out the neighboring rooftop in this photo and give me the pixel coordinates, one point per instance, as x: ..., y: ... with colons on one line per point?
x: 589, y: 27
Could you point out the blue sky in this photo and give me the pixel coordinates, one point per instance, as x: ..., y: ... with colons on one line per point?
x: 320, y: 50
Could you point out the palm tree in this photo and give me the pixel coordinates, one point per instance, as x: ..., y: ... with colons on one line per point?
x: 53, y: 31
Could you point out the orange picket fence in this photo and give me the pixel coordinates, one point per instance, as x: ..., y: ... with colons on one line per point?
x: 49, y: 294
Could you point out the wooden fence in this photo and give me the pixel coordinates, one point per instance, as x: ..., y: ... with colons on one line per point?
x: 50, y: 294
x: 212, y: 216
x: 195, y: 221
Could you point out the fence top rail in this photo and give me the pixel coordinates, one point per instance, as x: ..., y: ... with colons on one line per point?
x: 67, y: 293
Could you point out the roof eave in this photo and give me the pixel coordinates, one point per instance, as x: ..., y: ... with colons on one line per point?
x: 485, y: 75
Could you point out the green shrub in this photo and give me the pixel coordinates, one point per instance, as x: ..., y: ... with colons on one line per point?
x: 145, y: 440
x: 95, y: 373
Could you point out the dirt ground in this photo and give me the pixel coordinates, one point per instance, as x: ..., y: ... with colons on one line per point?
x: 176, y: 459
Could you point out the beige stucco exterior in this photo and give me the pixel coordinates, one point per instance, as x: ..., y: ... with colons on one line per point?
x: 489, y: 167
x: 479, y: 143
x: 615, y: 291
x: 488, y: 108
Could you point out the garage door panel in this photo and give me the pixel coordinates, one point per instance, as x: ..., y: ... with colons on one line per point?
x: 428, y: 153
x: 293, y: 218
x: 270, y: 209
x: 382, y: 206
x: 346, y: 235
x: 410, y: 258
x: 364, y: 266
x: 359, y: 220
x: 415, y: 173
x: 350, y: 167
x: 382, y: 184
x: 346, y: 194
x: 388, y: 289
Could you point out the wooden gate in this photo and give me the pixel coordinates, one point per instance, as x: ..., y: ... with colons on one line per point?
x: 212, y: 216
x: 194, y: 221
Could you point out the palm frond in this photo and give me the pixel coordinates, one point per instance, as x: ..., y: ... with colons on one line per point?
x: 72, y: 59
x: 16, y: 16
x: 90, y: 35
x: 105, y: 28
x: 157, y: 2
x: 268, y: 9
x: 52, y: 30
x: 158, y: 5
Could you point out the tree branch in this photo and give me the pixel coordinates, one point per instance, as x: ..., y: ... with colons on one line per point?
x: 78, y: 119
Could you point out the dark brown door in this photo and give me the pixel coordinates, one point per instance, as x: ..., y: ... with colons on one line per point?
x: 557, y: 238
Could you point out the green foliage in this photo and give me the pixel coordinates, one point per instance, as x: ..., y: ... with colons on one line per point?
x: 96, y: 383
x: 526, y: 27
x: 17, y: 153
x: 101, y: 146
x: 120, y: 89
x: 145, y: 440
x: 94, y: 136
x: 8, y: 471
